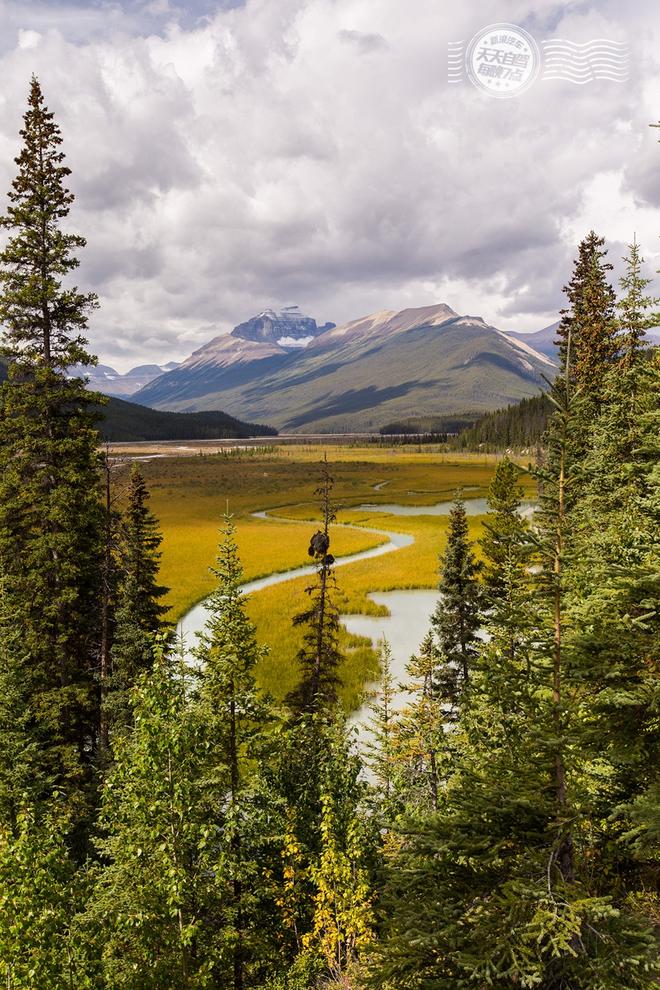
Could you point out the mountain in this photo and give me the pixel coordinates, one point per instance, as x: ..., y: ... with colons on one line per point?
x: 381, y: 368
x: 286, y: 328
x: 105, y: 379
x: 542, y: 341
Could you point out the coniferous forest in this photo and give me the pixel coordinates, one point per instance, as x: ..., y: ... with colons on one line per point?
x: 163, y: 824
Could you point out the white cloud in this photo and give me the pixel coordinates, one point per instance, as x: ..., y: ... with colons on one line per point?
x: 311, y: 152
x: 28, y: 39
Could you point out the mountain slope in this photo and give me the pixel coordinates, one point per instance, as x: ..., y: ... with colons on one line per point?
x: 542, y: 341
x: 383, y: 367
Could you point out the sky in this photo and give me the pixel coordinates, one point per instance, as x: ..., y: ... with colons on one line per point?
x: 227, y: 157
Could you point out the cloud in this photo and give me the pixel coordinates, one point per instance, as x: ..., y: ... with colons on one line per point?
x: 363, y: 41
x: 230, y: 157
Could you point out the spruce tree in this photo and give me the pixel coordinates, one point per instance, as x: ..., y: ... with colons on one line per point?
x: 319, y: 657
x: 139, y: 613
x: 419, y: 736
x: 50, y: 515
x: 382, y: 727
x: 237, y: 723
x: 456, y: 619
x: 635, y: 308
x: 504, y: 528
x: 588, y: 341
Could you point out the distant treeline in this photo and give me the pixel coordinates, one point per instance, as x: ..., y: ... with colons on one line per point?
x: 519, y: 425
x: 429, y: 425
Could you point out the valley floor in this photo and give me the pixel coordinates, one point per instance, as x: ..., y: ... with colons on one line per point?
x: 190, y: 491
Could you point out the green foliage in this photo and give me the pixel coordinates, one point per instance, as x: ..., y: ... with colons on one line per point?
x: 50, y: 516
x: 588, y: 329
x: 121, y: 422
x: 320, y: 656
x: 516, y: 426
x: 236, y: 724
x: 40, y: 895
x: 635, y: 308
x: 342, y: 925
x: 139, y: 615
x: 456, y: 619
x: 503, y: 542
x: 152, y: 896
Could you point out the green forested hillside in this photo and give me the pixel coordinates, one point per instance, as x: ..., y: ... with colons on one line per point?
x: 119, y: 420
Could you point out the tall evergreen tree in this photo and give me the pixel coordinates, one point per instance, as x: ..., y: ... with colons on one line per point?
x: 50, y: 515
x: 419, y: 735
x: 237, y: 721
x: 504, y: 528
x: 635, y: 308
x: 139, y: 613
x: 320, y: 656
x: 588, y: 341
x: 456, y: 619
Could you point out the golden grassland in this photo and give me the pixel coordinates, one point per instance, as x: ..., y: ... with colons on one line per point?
x: 190, y: 494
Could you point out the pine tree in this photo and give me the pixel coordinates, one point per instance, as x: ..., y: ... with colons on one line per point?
x: 588, y: 341
x: 382, y: 727
x: 504, y: 528
x: 237, y: 722
x: 50, y: 515
x: 320, y: 656
x: 419, y: 738
x: 456, y: 619
x: 635, y: 308
x: 139, y: 614
x: 496, y: 888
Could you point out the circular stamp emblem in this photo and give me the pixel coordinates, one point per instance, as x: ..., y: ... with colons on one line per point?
x: 503, y: 60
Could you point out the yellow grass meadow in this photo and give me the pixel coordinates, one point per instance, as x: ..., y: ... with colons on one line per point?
x: 190, y: 494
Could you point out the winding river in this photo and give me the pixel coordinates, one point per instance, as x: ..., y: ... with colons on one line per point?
x: 409, y: 610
